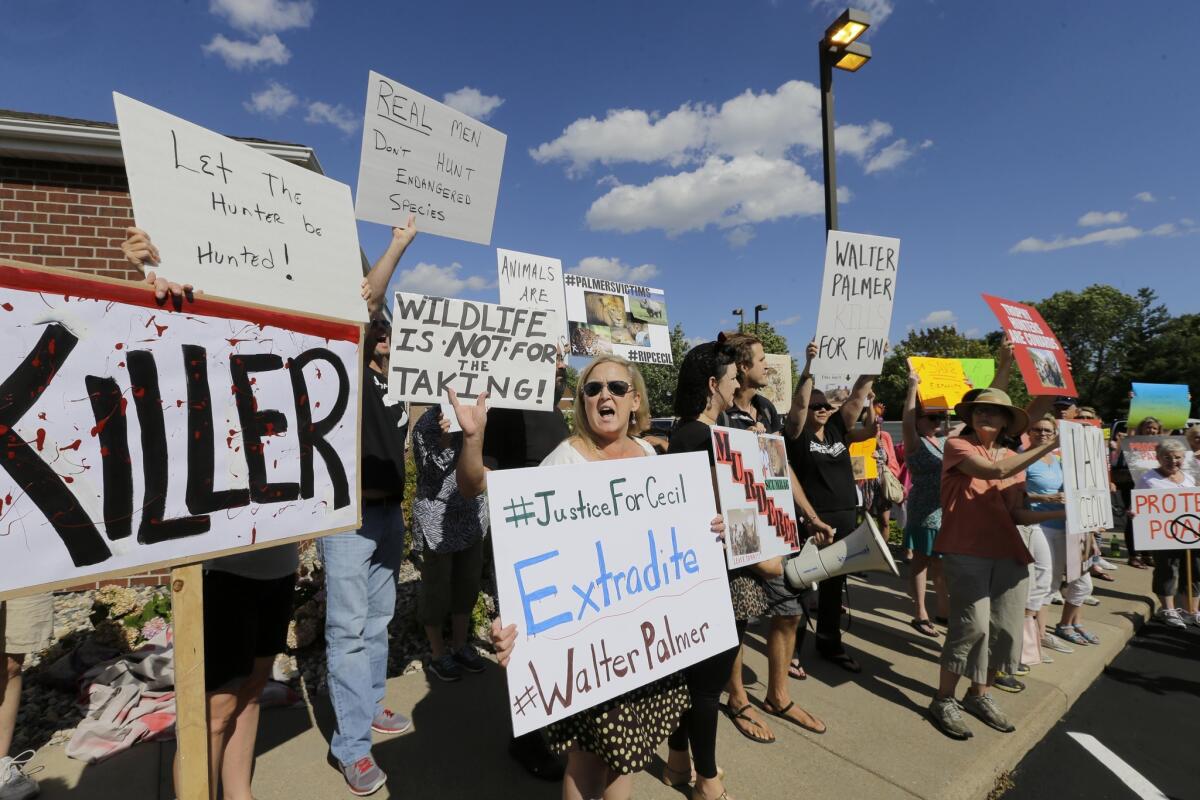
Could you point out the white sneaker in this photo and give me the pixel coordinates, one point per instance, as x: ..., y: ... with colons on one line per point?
x: 14, y: 783
x: 1090, y: 601
x: 1168, y: 616
x: 1052, y: 642
x: 1104, y: 563
x: 1195, y: 618
x: 1056, y: 598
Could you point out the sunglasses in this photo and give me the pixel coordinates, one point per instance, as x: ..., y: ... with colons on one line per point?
x: 615, y: 388
x: 935, y: 417
x: 1042, y: 431
x: 822, y: 407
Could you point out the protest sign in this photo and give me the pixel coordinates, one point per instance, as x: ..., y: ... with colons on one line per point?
x: 139, y: 436
x: 422, y: 157
x: 237, y: 222
x: 612, y: 576
x: 779, y: 381
x: 862, y: 459
x: 943, y: 382
x: 979, y: 371
x: 1039, y: 355
x: 1166, y: 519
x: 1170, y: 404
x: 857, y: 292
x: 606, y: 316
x: 1085, y: 477
x: 440, y: 344
x: 531, y: 281
x: 1140, y: 456
x: 755, y: 488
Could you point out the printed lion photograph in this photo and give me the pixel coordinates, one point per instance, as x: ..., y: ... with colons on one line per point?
x: 742, y: 531
x: 604, y: 309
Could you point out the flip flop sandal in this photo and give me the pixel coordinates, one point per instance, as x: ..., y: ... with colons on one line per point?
x: 782, y: 714
x: 796, y: 671
x: 740, y: 714
x: 678, y: 778
x: 843, y: 660
x: 924, y: 627
x: 1103, y: 576
x: 1070, y: 634
x: 1090, y: 637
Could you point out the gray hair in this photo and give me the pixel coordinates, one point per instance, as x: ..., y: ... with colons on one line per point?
x: 1169, y: 446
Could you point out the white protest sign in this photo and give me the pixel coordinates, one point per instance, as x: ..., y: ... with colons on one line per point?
x: 612, y: 576
x: 237, y: 222
x: 606, y: 316
x: 1166, y: 519
x: 857, y: 292
x: 755, y: 487
x: 422, y: 157
x: 533, y: 282
x: 141, y: 436
x: 1085, y: 477
x: 440, y: 344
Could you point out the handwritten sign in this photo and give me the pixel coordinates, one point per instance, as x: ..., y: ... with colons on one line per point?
x: 533, y: 282
x: 862, y: 459
x: 612, y: 576
x: 440, y: 344
x: 943, y: 381
x: 857, y: 293
x: 1169, y: 403
x: 606, y: 316
x: 138, y: 436
x: 239, y: 223
x: 779, y: 381
x: 980, y: 372
x: 1039, y: 355
x: 1166, y: 519
x: 422, y: 157
x: 755, y: 488
x: 1085, y: 477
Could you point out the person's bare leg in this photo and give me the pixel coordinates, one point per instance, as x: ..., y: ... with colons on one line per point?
x: 237, y: 768
x: 10, y: 699
x: 221, y: 708
x: 620, y: 787
x: 585, y: 778
x: 1168, y: 601
x: 947, y: 683
x: 458, y: 630
x: 738, y: 697
x: 918, y: 573
x: 781, y: 643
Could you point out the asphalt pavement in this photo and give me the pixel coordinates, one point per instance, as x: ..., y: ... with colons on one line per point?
x: 1133, y: 733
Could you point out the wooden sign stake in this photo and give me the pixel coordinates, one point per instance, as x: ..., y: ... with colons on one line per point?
x: 191, y: 705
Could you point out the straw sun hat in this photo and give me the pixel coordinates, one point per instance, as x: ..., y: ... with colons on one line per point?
x: 993, y: 397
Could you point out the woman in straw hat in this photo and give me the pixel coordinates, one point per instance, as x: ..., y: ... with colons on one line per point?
x: 984, y: 560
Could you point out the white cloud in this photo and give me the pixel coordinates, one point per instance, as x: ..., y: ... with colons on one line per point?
x: 889, y: 157
x: 694, y: 341
x: 1166, y: 229
x: 442, y: 281
x: 473, y: 102
x: 1106, y: 236
x: 877, y: 10
x: 792, y: 320
x: 1094, y: 219
x: 338, y: 116
x: 925, y: 145
x: 728, y: 194
x: 614, y: 269
x: 273, y: 101
x: 1145, y: 197
x: 740, y: 236
x: 939, y: 319
x: 624, y: 135
x: 239, y: 54
x: 264, y: 16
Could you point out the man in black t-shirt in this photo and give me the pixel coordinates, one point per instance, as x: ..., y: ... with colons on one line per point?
x: 751, y: 411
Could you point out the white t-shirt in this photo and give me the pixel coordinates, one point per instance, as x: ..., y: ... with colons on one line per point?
x: 1153, y: 479
x: 566, y: 453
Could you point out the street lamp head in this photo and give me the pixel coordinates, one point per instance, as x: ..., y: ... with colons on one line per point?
x: 852, y: 57
x: 760, y: 308
x: 848, y: 27
x: 737, y: 311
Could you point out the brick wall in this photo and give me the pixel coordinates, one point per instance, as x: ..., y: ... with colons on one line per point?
x: 59, y: 214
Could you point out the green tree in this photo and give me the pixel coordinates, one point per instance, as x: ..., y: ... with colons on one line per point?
x: 662, y: 378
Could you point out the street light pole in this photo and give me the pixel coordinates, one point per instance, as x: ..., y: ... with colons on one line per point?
x: 757, y: 309
x: 740, y: 313
x: 838, y: 48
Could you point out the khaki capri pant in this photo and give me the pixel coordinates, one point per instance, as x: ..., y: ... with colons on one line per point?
x: 987, y: 614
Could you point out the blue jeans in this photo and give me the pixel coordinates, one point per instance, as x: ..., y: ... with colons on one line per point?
x: 360, y: 588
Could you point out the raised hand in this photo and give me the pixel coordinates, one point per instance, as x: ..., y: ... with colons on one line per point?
x: 472, y: 419
x: 403, y: 236
x: 141, y: 252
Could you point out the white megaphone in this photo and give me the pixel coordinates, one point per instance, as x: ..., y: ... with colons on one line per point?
x: 864, y: 550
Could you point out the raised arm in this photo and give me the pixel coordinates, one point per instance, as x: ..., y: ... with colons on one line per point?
x: 860, y: 395
x: 470, y: 471
x: 978, y: 466
x: 798, y: 413
x: 1004, y: 365
x: 376, y: 282
x: 908, y: 423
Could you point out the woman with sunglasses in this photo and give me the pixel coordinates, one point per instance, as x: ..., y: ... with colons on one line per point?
x: 924, y: 443
x: 607, y: 743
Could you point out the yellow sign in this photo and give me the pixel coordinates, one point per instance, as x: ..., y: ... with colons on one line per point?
x: 943, y: 382
x: 862, y: 457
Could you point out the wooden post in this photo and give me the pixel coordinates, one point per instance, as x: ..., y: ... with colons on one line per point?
x: 191, y: 706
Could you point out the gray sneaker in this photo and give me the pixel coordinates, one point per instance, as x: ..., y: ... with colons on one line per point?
x: 984, y: 707
x: 944, y: 711
x: 364, y: 776
x: 14, y: 783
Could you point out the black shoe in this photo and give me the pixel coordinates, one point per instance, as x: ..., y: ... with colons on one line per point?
x: 841, y: 658
x: 531, y: 753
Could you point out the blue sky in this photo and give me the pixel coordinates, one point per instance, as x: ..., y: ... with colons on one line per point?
x: 1013, y: 151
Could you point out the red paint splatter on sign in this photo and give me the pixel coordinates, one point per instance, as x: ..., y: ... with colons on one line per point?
x: 73, y: 445
x: 41, y: 438
x: 7, y: 306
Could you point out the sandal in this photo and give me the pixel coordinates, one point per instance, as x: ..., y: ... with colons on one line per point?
x: 744, y: 730
x: 1103, y: 576
x: 1069, y: 633
x: 924, y: 627
x: 796, y: 671
x: 782, y: 714
x: 1091, y: 638
x: 1136, y: 563
x: 842, y: 659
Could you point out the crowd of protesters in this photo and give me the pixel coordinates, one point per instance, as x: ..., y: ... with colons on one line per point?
x: 980, y: 506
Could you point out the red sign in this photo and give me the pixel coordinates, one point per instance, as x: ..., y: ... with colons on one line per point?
x: 1039, y: 355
